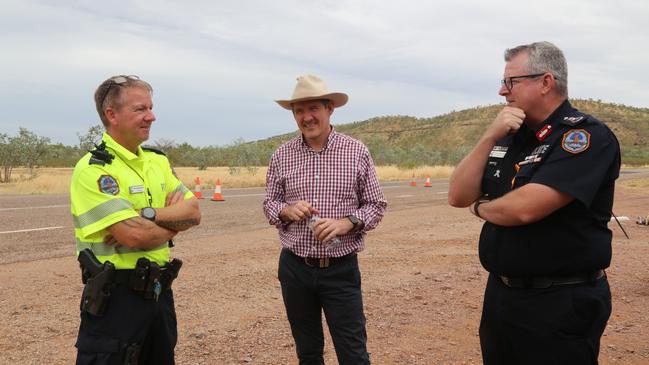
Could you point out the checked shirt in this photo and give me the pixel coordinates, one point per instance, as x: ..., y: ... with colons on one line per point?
x: 338, y: 181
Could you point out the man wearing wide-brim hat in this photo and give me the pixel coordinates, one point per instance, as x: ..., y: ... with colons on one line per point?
x: 326, y: 178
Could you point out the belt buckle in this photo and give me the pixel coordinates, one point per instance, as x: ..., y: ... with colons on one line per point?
x: 324, y: 263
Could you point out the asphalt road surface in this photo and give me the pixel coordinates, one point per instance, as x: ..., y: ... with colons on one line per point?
x: 34, y: 227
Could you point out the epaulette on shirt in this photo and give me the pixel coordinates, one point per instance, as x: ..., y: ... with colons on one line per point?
x: 154, y: 150
x: 575, y: 118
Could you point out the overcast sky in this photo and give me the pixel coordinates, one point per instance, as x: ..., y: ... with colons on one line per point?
x: 216, y: 66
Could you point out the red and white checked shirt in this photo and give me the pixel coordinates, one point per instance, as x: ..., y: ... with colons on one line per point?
x: 338, y: 181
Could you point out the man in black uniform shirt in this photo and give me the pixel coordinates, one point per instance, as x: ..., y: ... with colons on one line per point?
x: 542, y: 176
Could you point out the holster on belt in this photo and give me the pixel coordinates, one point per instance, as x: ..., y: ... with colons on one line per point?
x: 144, y: 277
x: 99, y: 280
x: 147, y: 273
x: 140, y: 275
x: 170, y: 273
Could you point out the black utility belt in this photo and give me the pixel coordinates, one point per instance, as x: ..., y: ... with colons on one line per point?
x: 542, y: 282
x: 148, y: 278
x: 100, y: 278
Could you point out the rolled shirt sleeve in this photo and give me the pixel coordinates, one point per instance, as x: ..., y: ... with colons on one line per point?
x: 371, y: 199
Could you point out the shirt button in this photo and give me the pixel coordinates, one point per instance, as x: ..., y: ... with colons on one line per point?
x: 315, y: 200
x: 316, y: 177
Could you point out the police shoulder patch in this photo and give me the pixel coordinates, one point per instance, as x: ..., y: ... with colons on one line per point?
x: 576, y: 141
x: 108, y: 185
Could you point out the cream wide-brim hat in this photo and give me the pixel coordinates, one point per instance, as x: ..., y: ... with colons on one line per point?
x: 311, y: 87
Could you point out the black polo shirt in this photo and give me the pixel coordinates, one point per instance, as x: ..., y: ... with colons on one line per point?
x: 570, y: 152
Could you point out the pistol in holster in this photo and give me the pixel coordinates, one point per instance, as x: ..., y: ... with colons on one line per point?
x: 99, y: 280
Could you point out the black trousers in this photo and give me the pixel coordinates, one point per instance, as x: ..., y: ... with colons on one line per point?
x: 336, y: 290
x: 557, y: 325
x: 130, y: 322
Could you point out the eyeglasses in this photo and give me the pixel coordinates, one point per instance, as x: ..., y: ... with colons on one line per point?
x: 509, y: 81
x: 117, y: 80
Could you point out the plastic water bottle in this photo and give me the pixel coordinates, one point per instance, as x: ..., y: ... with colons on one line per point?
x: 333, y: 243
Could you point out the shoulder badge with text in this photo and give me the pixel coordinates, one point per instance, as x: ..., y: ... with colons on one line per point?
x: 576, y: 141
x: 108, y: 185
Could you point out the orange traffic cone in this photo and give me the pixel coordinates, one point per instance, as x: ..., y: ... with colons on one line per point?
x: 413, y: 182
x: 428, y: 184
x: 217, y: 192
x: 197, y: 188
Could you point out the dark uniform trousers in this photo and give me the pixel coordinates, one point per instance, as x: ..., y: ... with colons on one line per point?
x: 336, y: 290
x: 129, y: 320
x: 552, y: 326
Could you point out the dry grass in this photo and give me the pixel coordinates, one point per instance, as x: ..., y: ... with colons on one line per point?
x: 244, y: 178
x: 389, y: 173
x: 637, y: 184
x: 45, y: 181
x: 57, y: 180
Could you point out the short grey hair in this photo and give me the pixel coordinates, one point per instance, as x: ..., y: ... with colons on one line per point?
x: 544, y: 57
x: 109, y: 93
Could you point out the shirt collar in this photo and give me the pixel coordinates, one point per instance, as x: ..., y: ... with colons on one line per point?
x: 556, y: 117
x: 121, y: 150
x: 542, y: 130
x: 329, y: 144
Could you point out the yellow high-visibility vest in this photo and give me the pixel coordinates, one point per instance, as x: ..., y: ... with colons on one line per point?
x: 103, y: 194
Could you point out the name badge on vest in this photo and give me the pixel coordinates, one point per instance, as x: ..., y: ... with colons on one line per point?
x: 498, y: 151
x: 136, y: 189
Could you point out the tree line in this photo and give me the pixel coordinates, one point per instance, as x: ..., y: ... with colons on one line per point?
x: 401, y: 141
x: 24, y: 149
x: 27, y: 149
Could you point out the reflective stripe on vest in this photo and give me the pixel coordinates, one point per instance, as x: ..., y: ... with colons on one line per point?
x: 125, y: 257
x: 103, y: 249
x: 182, y: 188
x: 101, y: 211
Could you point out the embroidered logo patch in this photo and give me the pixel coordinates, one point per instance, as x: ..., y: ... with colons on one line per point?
x: 108, y: 185
x: 575, y: 141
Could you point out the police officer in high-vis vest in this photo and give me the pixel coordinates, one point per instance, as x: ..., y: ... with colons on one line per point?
x: 542, y: 176
x: 127, y: 206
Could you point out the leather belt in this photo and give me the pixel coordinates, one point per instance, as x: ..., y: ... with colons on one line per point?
x: 324, y: 262
x: 541, y: 282
x: 127, y: 276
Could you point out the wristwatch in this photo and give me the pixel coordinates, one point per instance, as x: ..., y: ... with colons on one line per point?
x: 352, y: 218
x: 148, y: 213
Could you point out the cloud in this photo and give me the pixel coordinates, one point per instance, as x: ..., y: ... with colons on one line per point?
x: 217, y: 66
